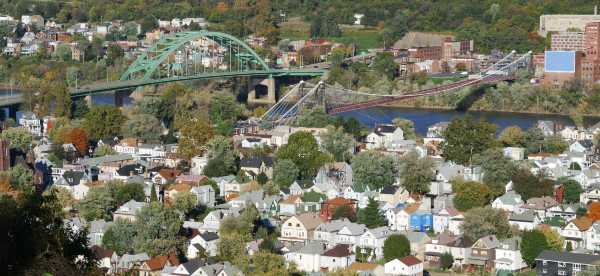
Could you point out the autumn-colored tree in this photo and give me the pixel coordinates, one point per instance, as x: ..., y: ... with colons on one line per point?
x: 594, y: 211
x: 76, y: 136
x: 222, y: 7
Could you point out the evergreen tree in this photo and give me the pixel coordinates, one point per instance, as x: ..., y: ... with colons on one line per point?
x: 153, y: 196
x: 370, y: 215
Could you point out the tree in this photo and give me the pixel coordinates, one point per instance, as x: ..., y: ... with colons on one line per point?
x: 62, y: 52
x: 118, y: 237
x: 123, y: 192
x: 512, y: 136
x: 497, y: 169
x: 231, y: 247
x: 344, y: 211
x: 262, y: 178
x: 594, y: 211
x: 303, y: 150
x: 373, y: 170
x: 395, y: 27
x: 75, y: 136
x: 103, y: 150
x: 554, y: 239
x: 338, y: 143
x: 157, y: 230
x: 185, y: 201
x: 470, y: 194
x: 528, y: 185
x: 407, y: 126
x: 370, y: 215
x: 446, y: 260
x: 572, y: 190
x: 416, y: 173
x: 19, y: 138
x: 144, y: 127
x: 224, y: 108
x: 314, y: 118
x: 313, y: 196
x: 581, y: 212
x: 534, y: 140
x: 555, y: 144
x: 465, y: 137
x: 395, y: 246
x: 195, y: 133
x: 153, y: 196
x: 97, y: 204
x: 103, y: 121
x: 533, y: 243
x: 114, y: 53
x: 385, y: 65
x: 20, y: 178
x: 483, y: 221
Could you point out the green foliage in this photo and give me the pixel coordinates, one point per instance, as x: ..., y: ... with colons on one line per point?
x: 144, y: 127
x: 157, y: 230
x: 344, y: 211
x: 395, y: 246
x: 470, y: 194
x: 446, y: 261
x: 19, y: 138
x: 466, y: 137
x: 101, y: 201
x: 262, y: 178
x: 185, y: 201
x: 223, y: 158
x: 483, y: 221
x: 536, y: 142
x: 153, y: 196
x: 512, y: 136
x: 103, y: 150
x: 497, y: 169
x: 372, y: 170
x: 528, y: 185
x: 39, y: 242
x: 103, y: 121
x: 118, y: 237
x: 313, y: 196
x: 572, y: 190
x: 385, y: 65
x: 416, y: 173
x: 20, y: 178
x: 195, y: 133
x: 407, y: 126
x: 303, y: 150
x: 322, y: 25
x: 533, y: 243
x: 338, y: 143
x: 370, y: 215
x: 315, y: 118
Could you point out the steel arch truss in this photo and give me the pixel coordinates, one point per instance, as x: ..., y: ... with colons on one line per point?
x: 148, y: 65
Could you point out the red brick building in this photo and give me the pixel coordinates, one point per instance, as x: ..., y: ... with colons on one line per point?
x: 328, y: 207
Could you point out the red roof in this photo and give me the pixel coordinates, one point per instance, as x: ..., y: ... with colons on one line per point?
x: 339, y: 201
x: 410, y: 260
x: 158, y: 262
x: 100, y: 252
x: 340, y: 250
x: 169, y: 173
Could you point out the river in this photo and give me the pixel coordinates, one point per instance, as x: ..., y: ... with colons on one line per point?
x: 423, y: 118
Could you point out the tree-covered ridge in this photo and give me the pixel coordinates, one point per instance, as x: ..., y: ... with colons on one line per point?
x: 492, y: 24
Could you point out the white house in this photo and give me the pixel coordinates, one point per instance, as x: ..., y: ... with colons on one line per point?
x: 575, y: 232
x: 204, y: 194
x: 338, y: 257
x: 213, y: 220
x: 593, y: 238
x: 508, y: 255
x: 307, y: 257
x: 197, y: 164
x: 374, y: 239
x: 441, y: 219
x: 510, y: 201
x: 383, y: 136
x: 208, y: 241
x: 527, y: 220
x: 128, y: 210
x: 409, y: 265
x: 300, y: 228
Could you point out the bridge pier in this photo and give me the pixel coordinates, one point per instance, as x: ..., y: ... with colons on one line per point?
x: 257, y: 88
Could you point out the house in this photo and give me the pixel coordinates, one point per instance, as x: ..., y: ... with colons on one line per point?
x: 154, y: 266
x: 548, y: 128
x: 542, y: 206
x: 197, y: 164
x: 97, y: 230
x: 527, y: 220
x: 592, y: 241
x: 591, y: 193
x: 333, y: 176
x: 340, y: 231
x: 564, y: 263
x: 307, y: 257
x: 509, y: 201
x: 393, y: 194
x: 190, y: 268
x: 204, y: 194
x: 130, y: 262
x: 30, y: 122
x: 227, y: 185
x: 295, y: 189
x: 437, y: 247
x: 441, y: 219
x: 421, y: 221
x: 574, y: 232
x: 373, y: 239
x: 508, y: 255
x: 328, y: 207
x: 409, y: 265
x: 208, y: 243
x: 582, y: 146
x: 254, y: 142
x: 337, y: 257
x: 383, y: 136
x: 514, y: 153
x: 129, y: 210
x: 483, y: 252
x: 213, y: 219
x: 300, y: 228
x: 400, y: 218
x: 256, y: 165
x: 165, y: 176
x: 106, y: 259
x: 289, y: 205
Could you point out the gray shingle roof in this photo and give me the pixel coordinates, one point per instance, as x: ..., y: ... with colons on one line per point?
x: 548, y: 255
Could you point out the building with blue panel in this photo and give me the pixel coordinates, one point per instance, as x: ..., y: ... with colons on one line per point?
x: 561, y: 67
x: 421, y: 221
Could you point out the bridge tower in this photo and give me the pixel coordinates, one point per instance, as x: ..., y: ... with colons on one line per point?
x: 259, y: 87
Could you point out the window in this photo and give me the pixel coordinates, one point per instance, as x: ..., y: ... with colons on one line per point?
x: 297, y: 224
x: 289, y: 224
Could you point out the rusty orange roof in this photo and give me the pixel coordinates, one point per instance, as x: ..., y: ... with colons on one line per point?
x: 339, y: 201
x: 583, y: 223
x: 169, y: 173
x: 293, y: 199
x: 158, y: 262
x: 180, y: 187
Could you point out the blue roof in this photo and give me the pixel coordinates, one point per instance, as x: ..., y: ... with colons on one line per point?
x: 559, y: 61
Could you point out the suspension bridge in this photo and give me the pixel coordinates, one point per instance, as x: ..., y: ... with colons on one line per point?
x: 307, y: 96
x: 187, y: 56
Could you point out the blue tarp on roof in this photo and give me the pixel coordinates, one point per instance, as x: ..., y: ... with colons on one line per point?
x: 559, y: 61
